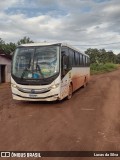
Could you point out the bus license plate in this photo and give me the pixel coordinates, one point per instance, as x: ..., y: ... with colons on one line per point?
x: 32, y: 95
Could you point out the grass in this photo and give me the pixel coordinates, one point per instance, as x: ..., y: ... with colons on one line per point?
x: 103, y: 68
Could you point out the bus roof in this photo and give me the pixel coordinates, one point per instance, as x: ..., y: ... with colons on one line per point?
x: 53, y: 43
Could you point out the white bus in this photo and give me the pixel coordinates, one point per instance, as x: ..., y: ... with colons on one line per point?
x: 48, y: 71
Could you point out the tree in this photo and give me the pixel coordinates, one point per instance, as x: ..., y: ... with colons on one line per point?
x: 7, y: 48
x: 118, y: 58
x: 2, y: 43
x: 10, y: 47
x: 101, y: 56
x: 24, y: 40
x: 111, y: 57
x: 94, y: 55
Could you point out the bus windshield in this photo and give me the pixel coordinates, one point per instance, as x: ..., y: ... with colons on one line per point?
x: 36, y: 62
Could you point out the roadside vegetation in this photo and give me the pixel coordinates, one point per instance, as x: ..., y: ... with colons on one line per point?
x: 102, y: 68
x: 103, y: 61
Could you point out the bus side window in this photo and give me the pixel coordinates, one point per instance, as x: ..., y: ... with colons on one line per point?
x: 66, y: 51
x: 74, y: 60
x: 77, y: 58
x: 86, y: 61
x: 71, y: 54
x: 80, y: 59
x: 65, y: 60
x: 70, y: 58
x: 83, y: 60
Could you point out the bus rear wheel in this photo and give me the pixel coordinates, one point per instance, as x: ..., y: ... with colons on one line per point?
x: 70, y: 92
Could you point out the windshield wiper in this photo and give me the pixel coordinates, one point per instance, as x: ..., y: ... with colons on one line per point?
x: 26, y: 69
x: 39, y: 69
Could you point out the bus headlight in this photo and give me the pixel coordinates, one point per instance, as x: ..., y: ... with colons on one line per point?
x: 54, y: 86
x: 14, y: 85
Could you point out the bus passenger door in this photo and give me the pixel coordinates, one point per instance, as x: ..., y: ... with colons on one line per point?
x: 64, y: 75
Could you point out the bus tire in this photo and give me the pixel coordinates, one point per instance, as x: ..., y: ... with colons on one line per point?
x: 70, y: 92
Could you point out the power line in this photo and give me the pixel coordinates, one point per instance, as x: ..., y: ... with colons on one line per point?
x: 95, y: 44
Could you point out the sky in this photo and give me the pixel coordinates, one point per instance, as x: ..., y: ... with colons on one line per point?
x: 82, y: 23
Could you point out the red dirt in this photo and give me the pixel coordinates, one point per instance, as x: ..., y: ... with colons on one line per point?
x: 90, y: 121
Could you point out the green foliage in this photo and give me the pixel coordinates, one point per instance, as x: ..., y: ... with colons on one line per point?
x: 102, y: 68
x: 101, y: 56
x: 24, y: 40
x: 8, y: 48
x: 102, y: 61
x: 1, y: 42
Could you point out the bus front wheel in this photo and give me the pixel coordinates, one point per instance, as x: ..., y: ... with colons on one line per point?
x: 70, y: 92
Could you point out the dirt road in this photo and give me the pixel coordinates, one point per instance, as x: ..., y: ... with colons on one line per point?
x: 90, y: 121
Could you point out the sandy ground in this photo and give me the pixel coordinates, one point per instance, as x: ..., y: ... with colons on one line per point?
x: 90, y: 121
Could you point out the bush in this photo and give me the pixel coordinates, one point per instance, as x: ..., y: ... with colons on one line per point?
x: 102, y: 68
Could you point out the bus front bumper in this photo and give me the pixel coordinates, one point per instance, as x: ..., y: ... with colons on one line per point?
x: 48, y: 98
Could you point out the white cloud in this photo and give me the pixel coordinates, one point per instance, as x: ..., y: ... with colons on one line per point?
x: 112, y: 8
x: 5, y: 4
x: 98, y: 24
